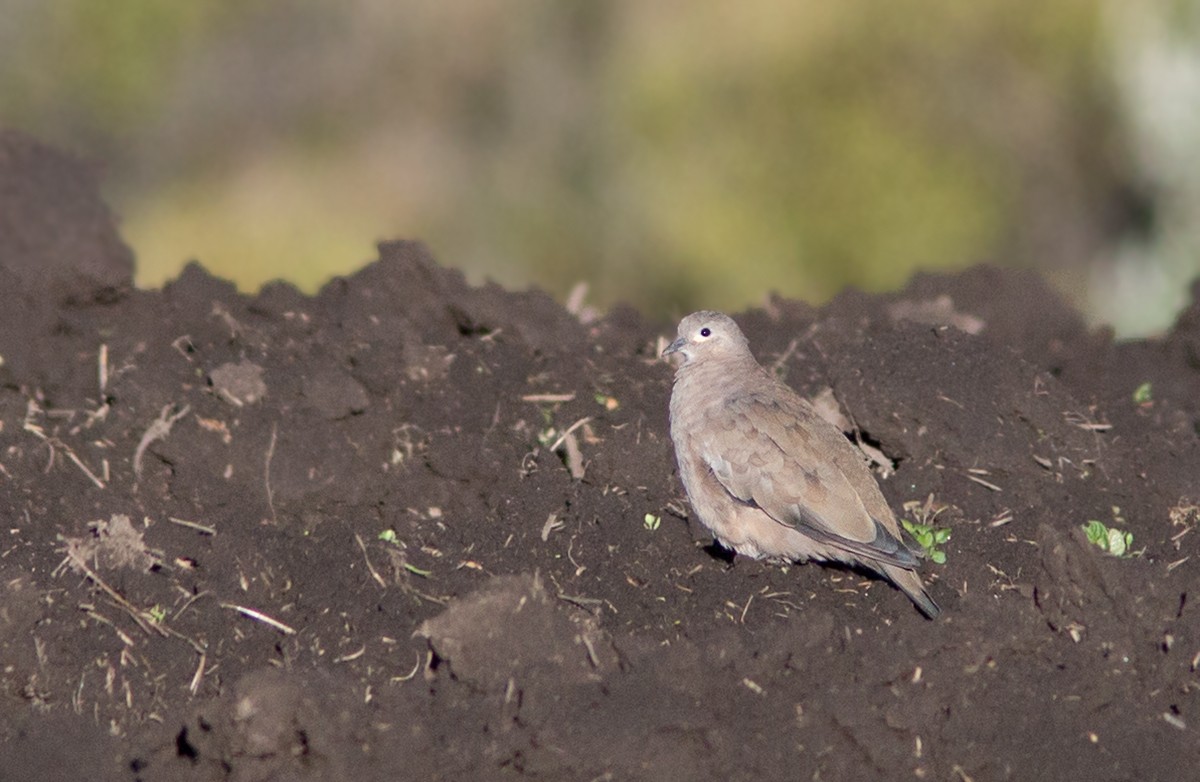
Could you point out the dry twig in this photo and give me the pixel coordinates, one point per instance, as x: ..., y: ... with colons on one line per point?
x: 159, y: 429
x: 261, y: 617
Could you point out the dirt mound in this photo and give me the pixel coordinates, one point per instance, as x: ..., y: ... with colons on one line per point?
x: 407, y: 528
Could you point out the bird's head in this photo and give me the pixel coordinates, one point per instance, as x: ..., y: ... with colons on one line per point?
x: 708, y: 334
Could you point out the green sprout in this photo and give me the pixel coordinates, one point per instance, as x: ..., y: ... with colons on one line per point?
x: 389, y: 536
x: 651, y: 522
x: 929, y: 538
x: 1110, y: 539
x: 411, y: 568
x: 1142, y: 395
x: 158, y: 614
x: 547, y: 434
x: 609, y: 403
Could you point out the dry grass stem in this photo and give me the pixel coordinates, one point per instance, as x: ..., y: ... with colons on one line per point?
x: 345, y: 658
x: 548, y: 398
x: 570, y: 430
x: 194, y: 686
x: 1171, y: 566
x: 261, y: 617
x: 370, y: 568
x: 53, y: 443
x: 102, y: 370
x: 202, y: 528
x: 1005, y: 517
x: 982, y: 482
x: 784, y: 356
x: 409, y: 676
x: 74, y: 559
x: 552, y: 524
x: 574, y: 456
x: 267, y: 472
x: 79, y: 463
x: 159, y: 429
x: 1085, y: 422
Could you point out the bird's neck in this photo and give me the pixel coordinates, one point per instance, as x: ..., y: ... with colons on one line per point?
x: 716, y: 373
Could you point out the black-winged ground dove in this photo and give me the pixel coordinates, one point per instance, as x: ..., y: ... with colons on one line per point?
x: 768, y: 476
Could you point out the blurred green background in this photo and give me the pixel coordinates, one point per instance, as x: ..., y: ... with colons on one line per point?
x: 670, y: 154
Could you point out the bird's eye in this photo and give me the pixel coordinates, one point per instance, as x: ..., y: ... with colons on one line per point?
x: 706, y: 332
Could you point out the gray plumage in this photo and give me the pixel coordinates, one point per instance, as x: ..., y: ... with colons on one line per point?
x: 768, y: 476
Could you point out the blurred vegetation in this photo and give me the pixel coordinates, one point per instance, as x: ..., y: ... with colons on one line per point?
x: 671, y: 154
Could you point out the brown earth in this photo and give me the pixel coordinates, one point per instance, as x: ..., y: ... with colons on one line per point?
x: 289, y: 537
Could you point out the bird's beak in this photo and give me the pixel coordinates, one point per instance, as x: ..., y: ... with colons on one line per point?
x: 674, y: 347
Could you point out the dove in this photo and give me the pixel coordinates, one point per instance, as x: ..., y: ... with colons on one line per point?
x: 766, y: 474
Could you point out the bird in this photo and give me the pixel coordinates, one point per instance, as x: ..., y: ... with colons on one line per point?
x: 768, y: 476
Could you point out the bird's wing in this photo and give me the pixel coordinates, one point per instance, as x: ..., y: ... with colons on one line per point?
x: 767, y: 447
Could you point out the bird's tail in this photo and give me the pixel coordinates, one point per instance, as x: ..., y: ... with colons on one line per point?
x: 909, y: 582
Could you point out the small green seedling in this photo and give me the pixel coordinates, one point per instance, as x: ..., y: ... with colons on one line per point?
x: 158, y: 614
x: 609, y: 403
x: 929, y: 538
x: 1142, y: 394
x: 651, y: 522
x: 548, y: 433
x: 416, y: 571
x: 1110, y: 539
x: 389, y: 536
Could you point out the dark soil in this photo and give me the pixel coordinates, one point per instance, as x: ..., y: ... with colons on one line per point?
x: 438, y: 597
